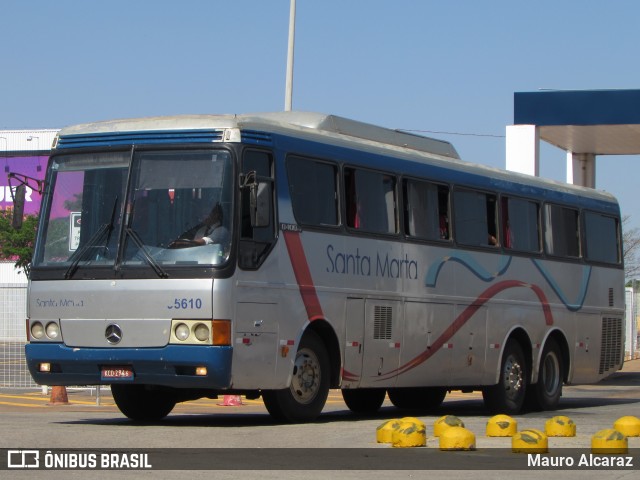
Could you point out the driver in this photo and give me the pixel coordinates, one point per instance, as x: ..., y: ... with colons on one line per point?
x: 210, y: 230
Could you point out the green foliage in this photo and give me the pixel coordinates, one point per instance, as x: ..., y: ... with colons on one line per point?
x: 17, y: 245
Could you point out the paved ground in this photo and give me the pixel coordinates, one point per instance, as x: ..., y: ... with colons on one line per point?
x: 82, y: 399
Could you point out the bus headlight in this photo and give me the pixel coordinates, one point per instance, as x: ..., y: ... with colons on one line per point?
x: 53, y: 330
x: 182, y: 332
x: 37, y: 330
x: 202, y: 332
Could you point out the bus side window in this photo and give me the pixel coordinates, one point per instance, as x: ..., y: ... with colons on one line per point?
x: 562, y: 231
x: 602, y: 238
x: 475, y: 218
x: 370, y: 201
x: 520, y: 224
x: 255, y: 243
x: 426, y: 210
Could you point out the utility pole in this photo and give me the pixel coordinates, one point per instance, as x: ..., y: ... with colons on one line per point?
x: 288, y: 95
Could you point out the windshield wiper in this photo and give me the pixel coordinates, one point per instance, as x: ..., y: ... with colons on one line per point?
x: 79, y: 254
x: 150, y: 260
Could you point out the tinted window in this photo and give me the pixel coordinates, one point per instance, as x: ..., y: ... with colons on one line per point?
x: 562, y: 231
x: 520, y: 226
x: 371, y: 201
x: 426, y: 210
x: 601, y: 238
x: 475, y: 218
x: 313, y: 190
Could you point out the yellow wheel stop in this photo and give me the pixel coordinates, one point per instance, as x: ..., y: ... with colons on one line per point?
x: 560, y: 426
x: 609, y: 441
x: 412, y: 419
x: 530, y: 441
x: 457, y: 438
x: 443, y: 423
x: 628, y: 426
x: 384, y: 433
x: 409, y: 434
x: 501, y: 426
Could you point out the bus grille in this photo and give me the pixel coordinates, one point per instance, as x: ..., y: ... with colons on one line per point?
x: 611, y: 347
x: 382, y: 322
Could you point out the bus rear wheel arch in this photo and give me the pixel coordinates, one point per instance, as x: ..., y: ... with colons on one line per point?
x: 306, y: 396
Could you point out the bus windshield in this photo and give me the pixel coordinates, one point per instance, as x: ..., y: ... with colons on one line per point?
x: 175, y: 211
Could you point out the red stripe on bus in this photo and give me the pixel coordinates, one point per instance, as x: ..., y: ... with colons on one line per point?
x: 465, y: 316
x: 303, y: 275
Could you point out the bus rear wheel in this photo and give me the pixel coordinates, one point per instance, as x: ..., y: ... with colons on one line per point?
x: 508, y: 395
x: 364, y: 400
x: 417, y: 398
x: 304, y: 400
x: 140, y: 403
x: 546, y: 393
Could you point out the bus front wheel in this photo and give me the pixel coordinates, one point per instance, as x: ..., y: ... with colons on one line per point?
x: 304, y: 400
x: 508, y: 395
x: 140, y: 403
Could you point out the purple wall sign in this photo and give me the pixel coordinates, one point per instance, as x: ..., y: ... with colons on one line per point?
x: 34, y: 167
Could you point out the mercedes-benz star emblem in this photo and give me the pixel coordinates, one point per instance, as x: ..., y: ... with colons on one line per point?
x: 113, y: 334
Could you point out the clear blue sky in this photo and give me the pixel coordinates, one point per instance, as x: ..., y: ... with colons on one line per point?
x: 430, y: 65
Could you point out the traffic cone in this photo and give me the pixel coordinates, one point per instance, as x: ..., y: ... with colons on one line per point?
x: 58, y: 396
x: 231, y: 401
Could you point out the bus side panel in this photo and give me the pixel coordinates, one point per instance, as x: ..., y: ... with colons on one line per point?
x: 424, y: 324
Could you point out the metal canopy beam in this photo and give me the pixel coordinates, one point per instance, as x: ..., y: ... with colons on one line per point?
x: 601, y: 122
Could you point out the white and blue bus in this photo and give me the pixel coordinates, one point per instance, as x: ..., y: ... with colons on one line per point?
x: 331, y: 254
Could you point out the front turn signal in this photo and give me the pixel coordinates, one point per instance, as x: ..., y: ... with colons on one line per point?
x: 222, y: 333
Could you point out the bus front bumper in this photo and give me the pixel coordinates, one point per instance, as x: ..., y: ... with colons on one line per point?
x: 171, y: 366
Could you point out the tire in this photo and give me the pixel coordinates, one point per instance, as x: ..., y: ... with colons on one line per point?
x: 364, y: 400
x: 508, y: 395
x: 546, y: 393
x: 304, y: 400
x: 417, y: 398
x: 140, y: 403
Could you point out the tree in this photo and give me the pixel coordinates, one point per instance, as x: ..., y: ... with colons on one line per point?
x: 17, y: 245
x: 630, y: 248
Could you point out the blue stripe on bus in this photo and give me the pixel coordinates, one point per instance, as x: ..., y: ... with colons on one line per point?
x: 572, y: 306
x: 139, y: 138
x: 156, y: 366
x: 445, y: 174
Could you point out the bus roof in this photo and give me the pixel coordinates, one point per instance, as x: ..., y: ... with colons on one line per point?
x: 324, y: 128
x: 275, y: 121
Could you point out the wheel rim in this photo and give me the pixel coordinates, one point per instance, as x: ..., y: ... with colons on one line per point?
x: 513, y: 377
x: 551, y: 374
x: 306, y: 376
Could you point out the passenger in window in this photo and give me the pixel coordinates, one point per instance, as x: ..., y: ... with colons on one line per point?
x: 209, y: 231
x: 444, y: 227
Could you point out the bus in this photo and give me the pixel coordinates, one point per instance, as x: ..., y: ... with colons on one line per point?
x: 332, y: 254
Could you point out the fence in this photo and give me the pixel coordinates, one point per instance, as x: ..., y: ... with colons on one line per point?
x: 13, y: 312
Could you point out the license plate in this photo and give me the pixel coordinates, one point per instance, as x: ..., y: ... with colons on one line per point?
x: 117, y: 373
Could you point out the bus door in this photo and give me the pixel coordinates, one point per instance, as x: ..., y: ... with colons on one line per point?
x: 382, y: 342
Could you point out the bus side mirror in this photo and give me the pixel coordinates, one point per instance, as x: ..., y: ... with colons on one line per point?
x: 260, y: 204
x: 18, y: 206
